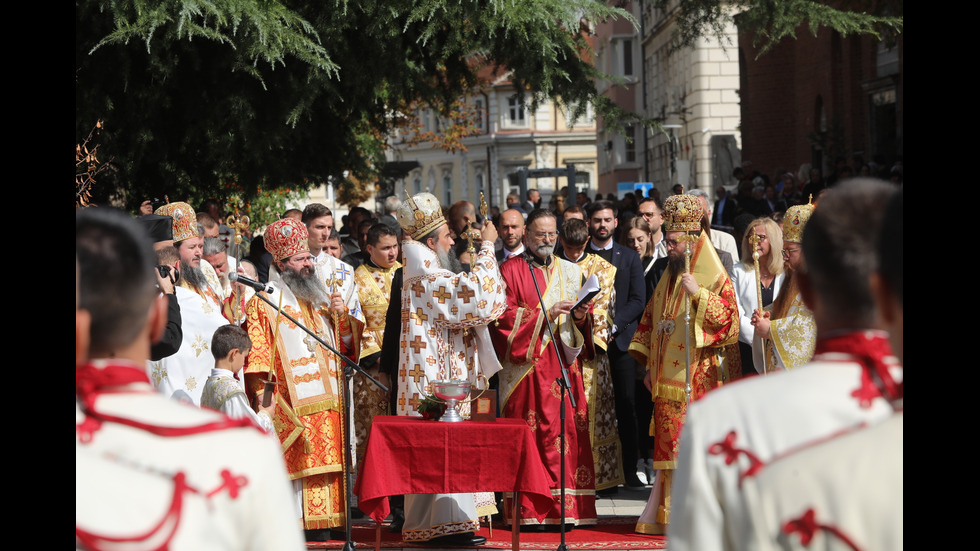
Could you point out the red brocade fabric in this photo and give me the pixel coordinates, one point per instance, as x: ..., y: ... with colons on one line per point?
x: 411, y: 456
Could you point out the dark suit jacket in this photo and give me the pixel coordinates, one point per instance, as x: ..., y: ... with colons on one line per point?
x: 728, y: 214
x: 630, y: 292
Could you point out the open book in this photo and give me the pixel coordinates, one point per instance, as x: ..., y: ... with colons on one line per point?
x: 589, y: 289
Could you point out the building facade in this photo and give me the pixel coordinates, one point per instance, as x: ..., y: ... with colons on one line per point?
x: 509, y: 137
x: 823, y: 99
x: 694, y: 92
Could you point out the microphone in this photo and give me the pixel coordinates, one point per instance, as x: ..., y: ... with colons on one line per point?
x: 238, y: 278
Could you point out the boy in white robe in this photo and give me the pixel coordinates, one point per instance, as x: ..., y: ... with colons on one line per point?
x: 223, y: 392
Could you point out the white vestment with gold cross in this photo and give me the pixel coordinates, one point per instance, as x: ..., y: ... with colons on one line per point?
x: 444, y: 336
x: 444, y: 322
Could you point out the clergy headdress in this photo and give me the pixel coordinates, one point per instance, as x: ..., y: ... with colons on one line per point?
x: 682, y: 213
x: 159, y: 228
x: 420, y: 214
x: 185, y: 221
x: 285, y: 238
x: 794, y: 221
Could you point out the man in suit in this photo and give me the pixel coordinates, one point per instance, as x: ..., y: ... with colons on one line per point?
x: 511, y: 234
x: 725, y: 209
x: 533, y: 200
x: 627, y: 309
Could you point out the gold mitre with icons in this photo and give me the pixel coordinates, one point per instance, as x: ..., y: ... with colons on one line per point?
x: 285, y: 238
x: 795, y: 220
x: 420, y: 214
x: 184, y: 220
x: 682, y: 213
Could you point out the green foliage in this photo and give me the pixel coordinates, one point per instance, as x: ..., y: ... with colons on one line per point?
x: 275, y: 94
x: 279, y: 93
x: 771, y: 21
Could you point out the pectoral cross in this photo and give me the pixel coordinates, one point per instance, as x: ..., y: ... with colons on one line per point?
x: 310, y: 343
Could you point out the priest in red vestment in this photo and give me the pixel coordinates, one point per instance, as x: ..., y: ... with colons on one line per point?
x: 529, y: 387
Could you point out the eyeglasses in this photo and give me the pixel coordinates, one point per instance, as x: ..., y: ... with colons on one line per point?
x: 546, y: 235
x: 787, y: 252
x: 301, y: 259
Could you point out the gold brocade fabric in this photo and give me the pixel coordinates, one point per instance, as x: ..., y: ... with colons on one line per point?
x: 374, y: 290
x: 607, y: 449
x: 309, y: 407
x: 793, y: 337
x: 660, y: 344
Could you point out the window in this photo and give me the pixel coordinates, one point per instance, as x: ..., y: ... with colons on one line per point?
x: 478, y: 120
x: 585, y: 119
x: 447, y: 185
x: 627, y: 48
x: 630, y: 143
x: 516, y: 113
x: 478, y: 184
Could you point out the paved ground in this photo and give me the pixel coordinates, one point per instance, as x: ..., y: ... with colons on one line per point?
x: 625, y: 503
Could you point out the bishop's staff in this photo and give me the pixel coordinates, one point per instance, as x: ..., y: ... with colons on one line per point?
x: 239, y: 224
x: 687, y: 239
x: 755, y: 240
x: 471, y: 234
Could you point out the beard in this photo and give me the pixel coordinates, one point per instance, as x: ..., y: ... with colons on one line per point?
x: 449, y: 261
x: 675, y: 264
x: 544, y: 250
x: 305, y: 286
x: 193, y: 275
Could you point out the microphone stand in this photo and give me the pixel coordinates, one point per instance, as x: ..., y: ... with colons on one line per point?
x: 349, y: 368
x: 566, y: 386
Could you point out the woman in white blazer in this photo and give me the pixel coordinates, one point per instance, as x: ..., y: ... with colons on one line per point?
x: 744, y: 281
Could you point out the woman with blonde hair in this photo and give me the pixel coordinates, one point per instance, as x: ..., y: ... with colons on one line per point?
x: 639, y: 237
x: 772, y: 273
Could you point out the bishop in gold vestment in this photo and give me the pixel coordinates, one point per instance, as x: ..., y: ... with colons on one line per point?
x: 310, y: 405
x: 660, y: 343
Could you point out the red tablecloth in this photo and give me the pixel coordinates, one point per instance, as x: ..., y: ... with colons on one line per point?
x: 406, y: 455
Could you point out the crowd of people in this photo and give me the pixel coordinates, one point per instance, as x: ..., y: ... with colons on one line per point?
x: 796, y: 297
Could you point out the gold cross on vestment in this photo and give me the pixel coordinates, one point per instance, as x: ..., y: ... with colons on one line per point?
x: 442, y: 294
x: 416, y: 373
x: 417, y: 344
x: 466, y: 294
